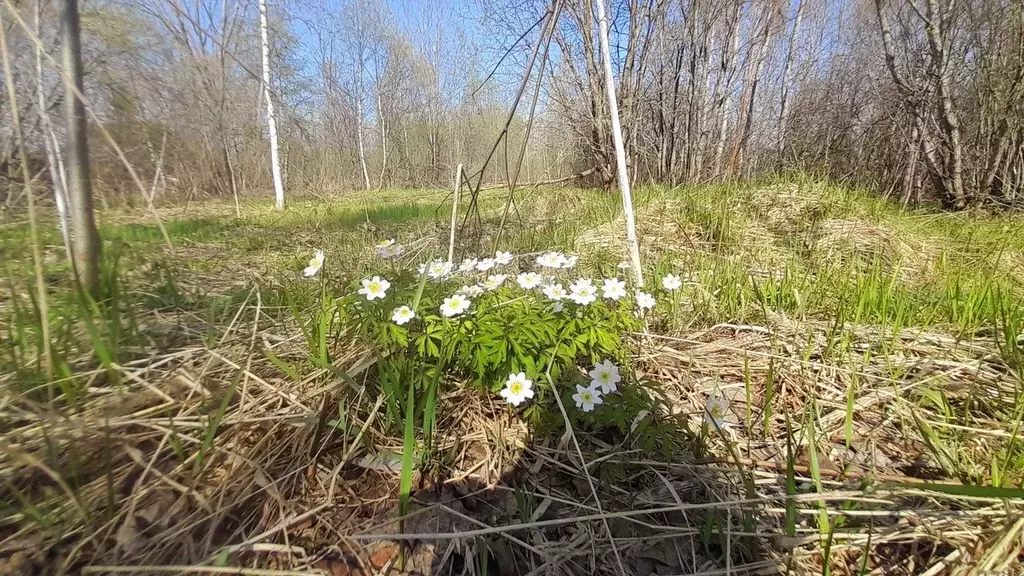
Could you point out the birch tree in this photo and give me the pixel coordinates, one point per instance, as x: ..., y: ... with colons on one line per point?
x: 54, y: 158
x: 275, y: 164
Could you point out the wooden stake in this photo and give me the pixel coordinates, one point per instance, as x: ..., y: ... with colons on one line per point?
x: 455, y: 212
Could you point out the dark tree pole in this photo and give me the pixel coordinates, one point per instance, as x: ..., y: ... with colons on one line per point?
x: 85, y: 240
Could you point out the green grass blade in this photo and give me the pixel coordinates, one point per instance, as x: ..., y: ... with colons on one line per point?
x: 790, y: 481
x: 969, y: 490
x: 408, y: 450
x: 810, y: 421
x: 285, y: 367
x: 214, y: 422
x: 430, y: 407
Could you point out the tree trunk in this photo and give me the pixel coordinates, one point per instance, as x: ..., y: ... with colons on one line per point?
x: 750, y: 98
x: 950, y: 121
x: 620, y: 150
x: 275, y: 164
x: 787, y: 79
x: 383, y: 141
x: 53, y: 157
x: 909, y: 176
x: 359, y: 140
x: 722, y: 93
x: 85, y: 240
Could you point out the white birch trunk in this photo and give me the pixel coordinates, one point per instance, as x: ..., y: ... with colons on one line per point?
x: 724, y: 95
x: 620, y: 150
x: 383, y: 140
x: 359, y: 141
x: 53, y: 158
x: 787, y: 77
x: 275, y: 164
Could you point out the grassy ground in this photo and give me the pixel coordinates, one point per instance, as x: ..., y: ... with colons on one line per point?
x: 872, y: 358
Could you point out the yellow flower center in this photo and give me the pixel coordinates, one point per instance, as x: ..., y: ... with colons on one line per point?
x: 516, y: 387
x: 605, y: 376
x: 587, y: 396
x: 374, y: 287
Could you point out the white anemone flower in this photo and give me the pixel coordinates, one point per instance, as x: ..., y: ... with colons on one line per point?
x: 493, y: 281
x: 485, y: 264
x: 529, y: 280
x: 557, y: 307
x: 606, y: 375
x: 503, y: 257
x: 583, y: 293
x: 472, y: 291
x: 716, y: 409
x: 551, y: 259
x: 518, y: 388
x: 388, y: 248
x: 555, y: 292
x: 455, y: 305
x: 315, y: 264
x: 644, y: 301
x: 468, y: 265
x: 375, y: 287
x: 402, y: 314
x: 569, y: 261
x: 671, y: 282
x: 587, y: 398
x: 613, y: 288
x: 439, y: 269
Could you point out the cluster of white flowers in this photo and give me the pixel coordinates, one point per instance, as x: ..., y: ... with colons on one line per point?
x: 556, y: 260
x: 389, y: 249
x: 604, y: 379
x: 583, y: 292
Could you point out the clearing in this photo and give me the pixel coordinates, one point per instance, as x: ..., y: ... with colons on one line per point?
x: 870, y: 360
